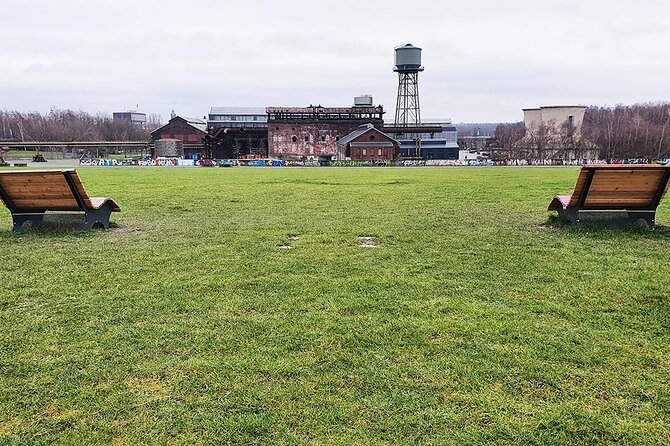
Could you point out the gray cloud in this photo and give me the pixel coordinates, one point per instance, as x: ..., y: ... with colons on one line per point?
x: 485, y: 60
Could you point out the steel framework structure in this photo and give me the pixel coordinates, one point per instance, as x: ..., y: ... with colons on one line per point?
x: 407, y: 111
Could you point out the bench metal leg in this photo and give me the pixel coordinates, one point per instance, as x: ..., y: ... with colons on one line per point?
x: 568, y: 215
x: 649, y: 217
x: 612, y: 219
x: 19, y: 220
x: 101, y: 216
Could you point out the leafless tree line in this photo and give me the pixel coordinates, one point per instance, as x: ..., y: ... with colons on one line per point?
x: 622, y: 131
x: 70, y: 125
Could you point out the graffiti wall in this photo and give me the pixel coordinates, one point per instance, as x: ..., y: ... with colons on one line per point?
x: 142, y: 162
x: 170, y: 162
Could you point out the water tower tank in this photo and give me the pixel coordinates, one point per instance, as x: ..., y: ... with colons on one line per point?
x: 408, y: 58
x: 363, y: 101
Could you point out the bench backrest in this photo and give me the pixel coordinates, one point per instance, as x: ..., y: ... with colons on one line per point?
x: 45, y: 190
x: 620, y: 186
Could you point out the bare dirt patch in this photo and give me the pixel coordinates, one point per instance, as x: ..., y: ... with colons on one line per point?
x: 367, y: 242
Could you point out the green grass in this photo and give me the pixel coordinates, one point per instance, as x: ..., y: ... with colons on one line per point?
x: 470, y: 323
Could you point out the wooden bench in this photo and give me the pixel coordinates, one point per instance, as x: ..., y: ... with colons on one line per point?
x: 614, y: 195
x: 29, y: 194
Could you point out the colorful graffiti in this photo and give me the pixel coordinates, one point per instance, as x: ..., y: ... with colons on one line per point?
x: 135, y: 162
x: 352, y: 163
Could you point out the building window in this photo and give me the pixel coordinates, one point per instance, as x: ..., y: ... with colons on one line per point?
x: 365, y: 152
x: 294, y: 138
x: 379, y: 152
x: 323, y: 138
x: 372, y: 137
x: 571, y: 121
x: 306, y: 138
x: 337, y: 138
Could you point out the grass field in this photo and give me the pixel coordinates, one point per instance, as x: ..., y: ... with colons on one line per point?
x: 471, y: 322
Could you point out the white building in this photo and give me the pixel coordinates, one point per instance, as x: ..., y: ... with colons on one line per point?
x: 236, y: 117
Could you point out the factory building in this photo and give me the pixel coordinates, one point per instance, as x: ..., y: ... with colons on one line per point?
x: 555, y: 132
x: 441, y: 144
x: 188, y: 130
x: 426, y: 141
x: 557, y: 117
x: 237, y: 143
x: 368, y: 143
x: 135, y: 118
x: 314, y: 131
x: 237, y: 117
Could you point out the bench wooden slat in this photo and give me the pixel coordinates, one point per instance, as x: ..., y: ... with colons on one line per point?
x: 41, y: 196
x: 35, y: 178
x: 48, y: 204
x: 44, y: 189
x: 80, y: 189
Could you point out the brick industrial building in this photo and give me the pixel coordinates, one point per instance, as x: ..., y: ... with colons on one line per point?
x: 188, y: 130
x: 368, y: 143
x: 313, y: 132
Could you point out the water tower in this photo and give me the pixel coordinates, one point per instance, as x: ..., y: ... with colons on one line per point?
x: 408, y: 66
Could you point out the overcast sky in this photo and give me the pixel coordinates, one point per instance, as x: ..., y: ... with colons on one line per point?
x: 484, y: 59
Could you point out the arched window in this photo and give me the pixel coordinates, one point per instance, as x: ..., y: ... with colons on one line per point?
x: 294, y: 138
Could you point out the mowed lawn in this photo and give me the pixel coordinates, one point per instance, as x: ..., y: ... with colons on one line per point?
x: 471, y: 322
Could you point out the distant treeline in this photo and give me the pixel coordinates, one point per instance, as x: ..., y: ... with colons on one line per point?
x: 70, y: 125
x: 623, y: 131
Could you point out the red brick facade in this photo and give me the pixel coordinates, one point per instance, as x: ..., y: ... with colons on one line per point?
x: 311, y: 132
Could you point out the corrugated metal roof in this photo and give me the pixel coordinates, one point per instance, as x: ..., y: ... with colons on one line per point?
x: 355, y: 134
x: 194, y: 120
x: 237, y: 111
x: 358, y: 132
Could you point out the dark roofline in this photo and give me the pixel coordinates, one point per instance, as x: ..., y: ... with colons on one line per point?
x: 554, y: 106
x: 180, y: 119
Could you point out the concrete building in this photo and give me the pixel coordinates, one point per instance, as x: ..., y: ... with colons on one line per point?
x: 136, y: 118
x: 237, y: 117
x: 368, y: 143
x: 555, y: 117
x: 312, y: 132
x: 554, y: 132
